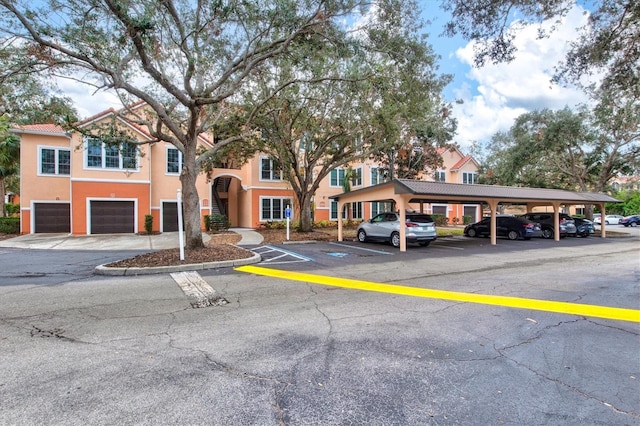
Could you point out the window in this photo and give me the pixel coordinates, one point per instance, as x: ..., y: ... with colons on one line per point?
x: 55, y: 161
x: 377, y: 176
x: 270, y: 170
x: 469, y: 177
x: 356, y: 180
x: 356, y: 210
x: 379, y: 207
x: 273, y: 208
x: 174, y: 161
x: 336, y: 178
x: 114, y: 156
x: 334, y: 211
x: 439, y: 176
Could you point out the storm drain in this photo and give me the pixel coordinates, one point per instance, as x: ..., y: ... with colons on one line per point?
x: 199, y: 293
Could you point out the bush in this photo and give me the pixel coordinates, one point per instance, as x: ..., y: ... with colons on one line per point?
x: 440, y: 219
x: 148, y: 223
x: 12, y: 209
x: 216, y: 222
x: 466, y: 220
x: 9, y: 225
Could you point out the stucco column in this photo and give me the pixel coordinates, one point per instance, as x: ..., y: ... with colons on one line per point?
x: 402, y: 212
x: 603, y: 230
x: 556, y: 221
x: 493, y: 206
x: 340, y: 207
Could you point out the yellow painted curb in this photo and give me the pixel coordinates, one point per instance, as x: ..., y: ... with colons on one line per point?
x: 620, y: 314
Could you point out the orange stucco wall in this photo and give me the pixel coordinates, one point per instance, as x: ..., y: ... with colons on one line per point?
x: 83, y: 191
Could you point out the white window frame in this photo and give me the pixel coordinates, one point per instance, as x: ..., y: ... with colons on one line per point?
x: 377, y: 207
x: 284, y: 202
x: 357, y: 178
x: 103, y: 158
x: 339, y: 177
x: 473, y: 175
x: 57, y: 150
x: 440, y: 176
x: 376, y: 176
x: 180, y: 161
x: 333, y: 211
x: 357, y: 210
x: 273, y: 171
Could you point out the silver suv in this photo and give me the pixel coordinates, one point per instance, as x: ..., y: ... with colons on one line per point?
x: 421, y: 229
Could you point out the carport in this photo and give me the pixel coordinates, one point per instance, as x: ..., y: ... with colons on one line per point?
x: 405, y: 191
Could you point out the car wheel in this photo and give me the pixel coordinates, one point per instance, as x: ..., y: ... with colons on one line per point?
x: 547, y: 233
x: 395, y: 239
x: 471, y: 232
x: 633, y: 224
x: 362, y: 236
x: 513, y: 235
x: 425, y: 243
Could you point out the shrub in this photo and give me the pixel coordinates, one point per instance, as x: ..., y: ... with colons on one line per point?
x: 148, y: 223
x: 216, y: 222
x: 440, y: 219
x: 12, y: 209
x: 466, y: 220
x: 455, y: 220
x: 9, y: 225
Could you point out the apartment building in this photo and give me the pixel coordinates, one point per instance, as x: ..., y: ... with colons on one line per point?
x: 75, y: 184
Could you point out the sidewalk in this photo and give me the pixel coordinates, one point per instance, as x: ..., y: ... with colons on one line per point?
x: 162, y: 241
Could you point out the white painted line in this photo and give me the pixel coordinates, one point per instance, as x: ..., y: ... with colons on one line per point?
x: 290, y: 253
x: 361, y: 248
x: 196, y: 289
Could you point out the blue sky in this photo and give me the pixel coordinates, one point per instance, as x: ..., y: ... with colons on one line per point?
x: 493, y: 96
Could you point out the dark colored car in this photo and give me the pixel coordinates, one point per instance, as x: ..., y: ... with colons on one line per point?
x: 630, y: 220
x: 567, y: 224
x: 584, y: 227
x: 511, y: 227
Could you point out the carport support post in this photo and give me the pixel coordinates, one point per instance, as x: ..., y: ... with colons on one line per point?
x: 556, y: 221
x: 340, y: 207
x: 603, y: 214
x: 493, y: 206
x: 402, y: 212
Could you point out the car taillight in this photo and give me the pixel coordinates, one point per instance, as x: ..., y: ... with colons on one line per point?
x: 411, y: 224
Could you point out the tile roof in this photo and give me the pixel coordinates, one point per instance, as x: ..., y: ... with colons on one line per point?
x: 40, y: 128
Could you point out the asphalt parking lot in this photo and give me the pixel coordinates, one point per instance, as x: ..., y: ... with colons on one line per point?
x: 84, y: 349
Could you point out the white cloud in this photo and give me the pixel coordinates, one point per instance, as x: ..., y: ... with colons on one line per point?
x: 86, y: 99
x: 505, y: 91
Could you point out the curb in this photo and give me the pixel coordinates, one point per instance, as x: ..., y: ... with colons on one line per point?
x: 105, y: 270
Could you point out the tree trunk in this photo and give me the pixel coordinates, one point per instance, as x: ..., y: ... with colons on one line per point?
x: 191, y: 202
x: 2, y: 197
x: 304, y: 200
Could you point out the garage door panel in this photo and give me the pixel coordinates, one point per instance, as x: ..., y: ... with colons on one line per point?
x: 169, y: 216
x: 112, y: 217
x: 52, y: 217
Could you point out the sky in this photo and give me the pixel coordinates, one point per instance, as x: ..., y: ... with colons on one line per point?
x: 492, y: 96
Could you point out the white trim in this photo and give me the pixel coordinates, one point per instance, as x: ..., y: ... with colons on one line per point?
x: 135, y: 210
x: 267, y: 197
x: 32, y: 208
x: 167, y: 147
x: 273, y: 171
x: 85, y: 158
x: 146, y: 182
x: 57, y: 164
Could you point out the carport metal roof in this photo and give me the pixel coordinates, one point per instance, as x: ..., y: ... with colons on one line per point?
x: 406, y: 191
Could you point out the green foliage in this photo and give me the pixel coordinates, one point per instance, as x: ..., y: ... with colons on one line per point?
x: 630, y: 203
x: 466, y: 220
x: 148, y: 223
x: 440, y: 219
x: 12, y: 209
x: 9, y: 225
x: 216, y: 222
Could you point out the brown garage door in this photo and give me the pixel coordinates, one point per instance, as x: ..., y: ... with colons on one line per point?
x: 169, y: 216
x: 112, y: 217
x: 52, y: 217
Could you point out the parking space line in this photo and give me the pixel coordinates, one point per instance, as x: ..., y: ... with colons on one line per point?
x: 360, y: 248
x: 621, y: 314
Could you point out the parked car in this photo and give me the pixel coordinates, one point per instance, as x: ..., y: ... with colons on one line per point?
x: 610, y: 219
x: 421, y: 229
x: 584, y: 227
x: 508, y: 226
x: 633, y: 220
x: 546, y: 221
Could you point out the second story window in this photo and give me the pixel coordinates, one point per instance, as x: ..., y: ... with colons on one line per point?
x: 112, y: 156
x: 377, y: 176
x: 270, y: 170
x: 356, y: 179
x: 469, y: 177
x: 439, y: 176
x: 174, y: 161
x: 54, y: 161
x: 336, y: 178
